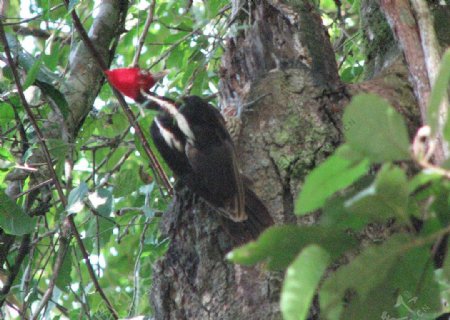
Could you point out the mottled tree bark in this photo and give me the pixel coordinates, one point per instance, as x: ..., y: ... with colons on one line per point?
x: 283, y: 62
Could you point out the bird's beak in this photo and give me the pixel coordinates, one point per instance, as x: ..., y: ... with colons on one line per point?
x: 159, y: 75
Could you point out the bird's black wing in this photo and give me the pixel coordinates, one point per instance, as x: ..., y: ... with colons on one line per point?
x: 213, y: 159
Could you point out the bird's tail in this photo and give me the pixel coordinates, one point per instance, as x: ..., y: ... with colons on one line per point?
x: 258, y: 219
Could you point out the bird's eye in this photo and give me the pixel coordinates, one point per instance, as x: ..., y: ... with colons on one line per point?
x: 143, y: 72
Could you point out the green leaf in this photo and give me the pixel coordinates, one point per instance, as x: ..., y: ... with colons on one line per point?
x: 373, y: 128
x: 32, y: 73
x: 100, y: 229
x: 387, y: 197
x: 6, y: 159
x: 126, y: 182
x: 5, y: 154
x: 64, y: 279
x: 56, y: 95
x: 438, y: 93
x: 6, y: 113
x: 377, y: 277
x: 279, y: 245
x: 301, y: 281
x: 421, y: 179
x: 334, y: 174
x: 38, y: 73
x: 101, y: 200
x: 76, y: 198
x: 13, y: 220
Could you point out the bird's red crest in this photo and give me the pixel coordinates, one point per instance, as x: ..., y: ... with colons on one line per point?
x: 131, y: 81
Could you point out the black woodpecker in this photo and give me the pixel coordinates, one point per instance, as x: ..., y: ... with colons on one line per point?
x: 192, y: 138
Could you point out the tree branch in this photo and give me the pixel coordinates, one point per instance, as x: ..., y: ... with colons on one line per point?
x: 148, y: 22
x: 63, y: 199
x: 154, y: 163
x: 417, y: 39
x: 23, y: 251
x: 64, y: 242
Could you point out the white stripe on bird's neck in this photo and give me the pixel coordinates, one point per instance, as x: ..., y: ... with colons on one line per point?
x: 171, y: 109
x: 169, y: 136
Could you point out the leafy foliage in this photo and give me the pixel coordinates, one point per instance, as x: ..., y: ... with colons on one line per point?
x: 112, y: 195
x: 13, y: 219
x: 115, y: 202
x: 302, y: 278
x: 393, y: 279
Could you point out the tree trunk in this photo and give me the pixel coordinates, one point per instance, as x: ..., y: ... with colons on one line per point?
x: 284, y: 65
x: 285, y: 62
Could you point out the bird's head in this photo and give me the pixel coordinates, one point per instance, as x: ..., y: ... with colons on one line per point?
x: 131, y: 82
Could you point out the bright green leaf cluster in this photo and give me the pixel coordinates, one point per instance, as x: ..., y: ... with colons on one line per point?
x: 114, y: 208
x: 387, y: 280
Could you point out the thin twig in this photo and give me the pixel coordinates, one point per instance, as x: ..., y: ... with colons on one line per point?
x: 14, y: 270
x: 21, y: 21
x: 116, y: 168
x: 63, y: 199
x: 148, y: 23
x: 31, y: 117
x: 137, y: 268
x: 84, y: 301
x: 188, y: 35
x: 81, y: 302
x: 63, y: 246
x: 112, y: 149
x: 37, y: 186
x: 174, y: 45
x: 33, y: 121
x: 154, y: 163
x: 91, y: 269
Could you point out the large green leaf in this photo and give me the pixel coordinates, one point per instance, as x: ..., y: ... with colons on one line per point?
x: 32, y: 73
x: 332, y: 175
x: 13, y: 220
x: 279, y: 245
x: 301, y: 281
x: 387, y: 197
x: 75, y: 202
x: 51, y: 91
x: 6, y: 113
x: 39, y: 74
x: 101, y: 200
x: 377, y: 277
x: 126, y: 182
x: 373, y: 128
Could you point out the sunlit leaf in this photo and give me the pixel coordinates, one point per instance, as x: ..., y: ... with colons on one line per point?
x: 76, y: 198
x: 377, y: 278
x: 101, y: 200
x: 332, y: 175
x: 278, y: 246
x: 387, y: 197
x: 373, y: 128
x: 301, y: 281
